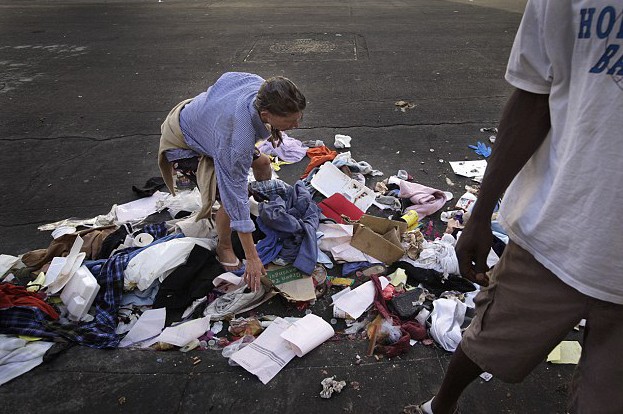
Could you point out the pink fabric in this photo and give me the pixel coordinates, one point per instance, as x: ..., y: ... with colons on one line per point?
x: 425, y: 200
x: 290, y: 150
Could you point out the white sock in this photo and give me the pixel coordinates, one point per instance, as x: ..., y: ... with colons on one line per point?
x: 427, y: 407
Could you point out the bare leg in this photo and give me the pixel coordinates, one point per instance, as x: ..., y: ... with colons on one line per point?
x: 224, y: 249
x: 461, y: 372
x: 262, y: 170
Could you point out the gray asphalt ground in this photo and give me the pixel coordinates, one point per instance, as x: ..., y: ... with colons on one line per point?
x: 84, y: 86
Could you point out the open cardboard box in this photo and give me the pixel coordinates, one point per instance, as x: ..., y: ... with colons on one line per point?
x: 379, y: 238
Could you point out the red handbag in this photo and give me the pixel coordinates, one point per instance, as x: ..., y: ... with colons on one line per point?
x: 337, y: 205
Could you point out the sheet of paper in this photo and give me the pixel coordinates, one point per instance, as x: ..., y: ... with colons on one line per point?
x: 347, y: 253
x: 300, y: 290
x: 139, y: 209
x: 566, y: 352
x: 359, y: 299
x: 149, y: 325
x: 470, y: 169
x: 182, y: 334
x: 307, y: 333
x: 268, y: 354
x: 334, y: 235
x: 330, y: 180
x: 339, y: 294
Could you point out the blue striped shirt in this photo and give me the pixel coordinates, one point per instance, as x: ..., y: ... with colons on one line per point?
x: 223, y: 124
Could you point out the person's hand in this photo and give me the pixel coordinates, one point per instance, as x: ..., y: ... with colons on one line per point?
x: 472, y: 250
x: 253, y: 271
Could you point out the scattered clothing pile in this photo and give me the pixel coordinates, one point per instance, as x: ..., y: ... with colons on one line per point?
x: 146, y: 275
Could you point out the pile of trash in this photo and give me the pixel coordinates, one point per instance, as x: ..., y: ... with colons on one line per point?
x: 145, y: 275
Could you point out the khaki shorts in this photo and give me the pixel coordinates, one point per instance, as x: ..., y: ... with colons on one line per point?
x: 526, y: 311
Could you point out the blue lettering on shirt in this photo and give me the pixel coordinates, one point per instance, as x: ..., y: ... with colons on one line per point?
x: 602, y: 23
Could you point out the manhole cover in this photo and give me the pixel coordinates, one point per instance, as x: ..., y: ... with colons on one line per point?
x: 307, y: 47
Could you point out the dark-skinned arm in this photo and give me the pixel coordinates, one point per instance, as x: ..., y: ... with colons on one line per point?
x: 524, y: 125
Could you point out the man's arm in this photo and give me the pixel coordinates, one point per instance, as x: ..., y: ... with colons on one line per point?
x: 524, y: 125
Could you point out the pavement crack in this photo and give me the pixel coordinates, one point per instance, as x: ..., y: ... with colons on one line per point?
x: 422, y: 124
x: 183, y: 396
x: 79, y: 137
x: 39, y: 222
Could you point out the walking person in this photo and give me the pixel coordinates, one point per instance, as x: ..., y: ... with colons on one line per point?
x: 560, y: 153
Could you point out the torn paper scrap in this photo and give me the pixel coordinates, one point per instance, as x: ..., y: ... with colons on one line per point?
x: 307, y: 333
x: 470, y: 169
x: 358, y: 300
x: 182, y: 334
x: 145, y: 331
x: 566, y: 352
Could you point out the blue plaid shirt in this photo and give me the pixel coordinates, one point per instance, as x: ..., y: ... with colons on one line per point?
x: 223, y: 124
x: 100, y: 332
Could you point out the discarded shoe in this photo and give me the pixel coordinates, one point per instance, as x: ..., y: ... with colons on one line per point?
x: 235, y: 302
x: 379, y: 270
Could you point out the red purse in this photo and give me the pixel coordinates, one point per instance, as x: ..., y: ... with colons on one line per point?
x: 337, y: 205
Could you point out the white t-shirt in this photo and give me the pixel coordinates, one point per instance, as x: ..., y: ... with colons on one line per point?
x: 566, y: 204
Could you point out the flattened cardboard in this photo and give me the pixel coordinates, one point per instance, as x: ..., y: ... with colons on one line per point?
x: 379, y: 238
x: 291, y: 283
x: 283, y: 274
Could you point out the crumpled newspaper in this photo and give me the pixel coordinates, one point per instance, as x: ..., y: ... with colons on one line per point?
x: 330, y: 385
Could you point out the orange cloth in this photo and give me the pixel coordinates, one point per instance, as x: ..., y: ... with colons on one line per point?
x: 319, y: 156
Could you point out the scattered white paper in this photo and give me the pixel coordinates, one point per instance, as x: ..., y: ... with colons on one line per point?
x: 182, y: 334
x: 139, y: 209
x: 268, y: 354
x: 339, y: 294
x: 280, y: 342
x: 330, y: 180
x: 149, y: 325
x: 307, y: 333
x: 347, y: 253
x: 334, y: 235
x: 359, y: 299
x: 470, y: 169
